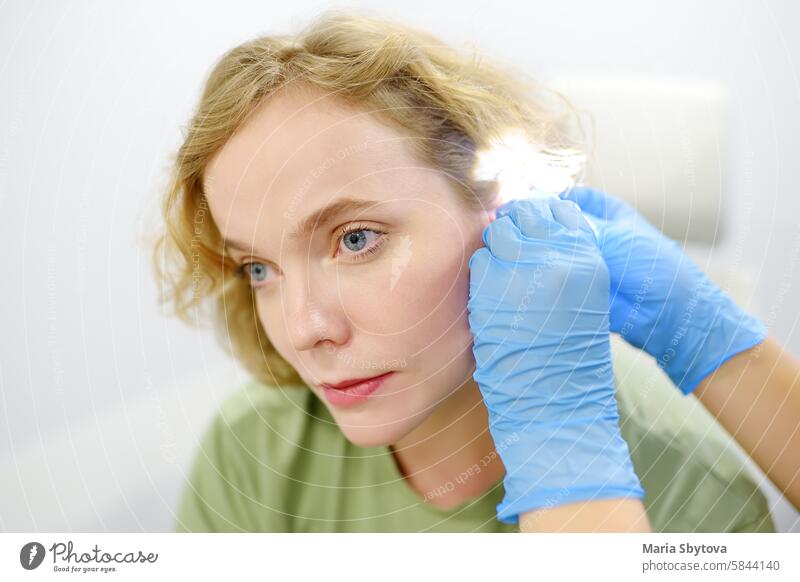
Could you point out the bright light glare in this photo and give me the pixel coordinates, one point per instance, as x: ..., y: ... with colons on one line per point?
x: 523, y: 168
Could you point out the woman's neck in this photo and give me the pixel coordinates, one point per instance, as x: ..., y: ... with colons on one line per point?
x: 451, y: 458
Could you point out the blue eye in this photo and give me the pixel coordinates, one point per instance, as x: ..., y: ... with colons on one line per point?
x: 256, y: 271
x: 355, y: 239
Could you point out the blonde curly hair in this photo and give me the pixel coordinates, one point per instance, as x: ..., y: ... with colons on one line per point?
x: 454, y: 103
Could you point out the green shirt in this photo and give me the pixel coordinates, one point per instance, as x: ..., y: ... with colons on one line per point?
x: 274, y: 460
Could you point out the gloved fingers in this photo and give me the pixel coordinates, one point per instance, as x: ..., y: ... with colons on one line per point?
x: 503, y: 240
x: 590, y: 200
x: 523, y: 222
x: 536, y: 217
x: 599, y: 204
x: 478, y: 266
x: 569, y: 214
x: 533, y: 216
x: 485, y: 298
x: 604, y: 230
x: 522, y: 228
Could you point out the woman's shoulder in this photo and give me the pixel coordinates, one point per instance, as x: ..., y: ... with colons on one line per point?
x: 241, y: 473
x: 693, y: 472
x: 278, y: 423
x: 248, y: 404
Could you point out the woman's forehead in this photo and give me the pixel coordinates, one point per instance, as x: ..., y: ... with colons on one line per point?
x: 297, y: 155
x: 293, y: 141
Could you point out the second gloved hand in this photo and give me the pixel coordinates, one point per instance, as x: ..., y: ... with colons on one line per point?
x: 661, y: 301
x: 539, y: 314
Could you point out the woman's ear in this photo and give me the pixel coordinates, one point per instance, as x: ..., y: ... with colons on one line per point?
x: 487, y: 216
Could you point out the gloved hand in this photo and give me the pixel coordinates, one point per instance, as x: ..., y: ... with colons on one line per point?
x: 538, y: 312
x: 661, y: 301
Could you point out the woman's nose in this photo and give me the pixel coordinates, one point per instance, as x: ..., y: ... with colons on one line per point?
x: 314, y: 316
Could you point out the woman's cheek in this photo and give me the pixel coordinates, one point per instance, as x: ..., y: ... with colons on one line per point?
x: 274, y: 325
x: 411, y: 292
x: 428, y: 294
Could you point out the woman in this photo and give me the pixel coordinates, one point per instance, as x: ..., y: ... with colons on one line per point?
x: 324, y: 198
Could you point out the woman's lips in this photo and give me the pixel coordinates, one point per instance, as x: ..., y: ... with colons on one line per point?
x: 354, y: 393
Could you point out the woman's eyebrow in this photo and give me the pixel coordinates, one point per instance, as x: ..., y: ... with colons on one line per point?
x: 315, y: 220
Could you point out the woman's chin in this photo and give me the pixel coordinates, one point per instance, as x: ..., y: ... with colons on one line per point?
x: 378, y: 436
x: 372, y: 437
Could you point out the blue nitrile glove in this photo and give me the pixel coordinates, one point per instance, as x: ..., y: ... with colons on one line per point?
x: 661, y: 301
x: 538, y: 311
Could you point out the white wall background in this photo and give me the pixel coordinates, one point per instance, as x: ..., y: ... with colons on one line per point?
x: 101, y: 398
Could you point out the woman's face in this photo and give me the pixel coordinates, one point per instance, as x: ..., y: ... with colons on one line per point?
x: 389, y: 296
